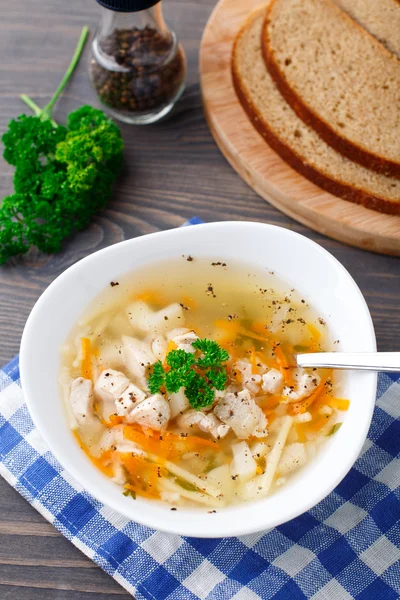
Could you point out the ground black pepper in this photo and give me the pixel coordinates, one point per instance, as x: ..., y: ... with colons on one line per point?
x: 151, y: 75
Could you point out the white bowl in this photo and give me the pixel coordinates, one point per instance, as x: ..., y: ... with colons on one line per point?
x: 304, y: 265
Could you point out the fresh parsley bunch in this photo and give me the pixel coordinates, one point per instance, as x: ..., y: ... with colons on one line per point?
x: 63, y: 175
x: 199, y: 375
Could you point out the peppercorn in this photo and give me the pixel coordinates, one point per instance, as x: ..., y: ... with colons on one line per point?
x: 149, y: 70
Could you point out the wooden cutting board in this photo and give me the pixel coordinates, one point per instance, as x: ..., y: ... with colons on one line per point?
x: 259, y: 165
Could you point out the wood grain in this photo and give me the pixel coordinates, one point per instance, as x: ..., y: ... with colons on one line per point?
x: 172, y: 171
x: 259, y: 165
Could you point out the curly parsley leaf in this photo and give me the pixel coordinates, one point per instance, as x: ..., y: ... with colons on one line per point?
x: 213, y: 354
x: 179, y: 359
x: 199, y: 376
x: 63, y: 175
x: 157, y: 378
x: 218, y: 378
x: 198, y: 392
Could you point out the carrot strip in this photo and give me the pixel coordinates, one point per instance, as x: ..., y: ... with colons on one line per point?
x: 245, y: 332
x: 199, y: 441
x: 270, y: 362
x: 258, y: 327
x: 171, y: 346
x: 268, y: 402
x: 339, y: 403
x: 144, y: 475
x: 303, y: 405
x: 86, y: 362
x: 234, y: 328
x: 284, y: 366
x: 115, y: 420
x: 166, y: 444
x: 104, y: 463
x: 318, y: 423
x: 316, y: 336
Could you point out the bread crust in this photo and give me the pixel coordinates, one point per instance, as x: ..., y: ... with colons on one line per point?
x: 325, y: 131
x: 347, y: 192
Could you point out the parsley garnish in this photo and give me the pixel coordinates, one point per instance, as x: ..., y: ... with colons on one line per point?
x: 199, y: 376
x: 130, y: 493
x: 334, y: 429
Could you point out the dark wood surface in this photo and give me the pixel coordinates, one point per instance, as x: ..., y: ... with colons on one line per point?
x: 172, y: 171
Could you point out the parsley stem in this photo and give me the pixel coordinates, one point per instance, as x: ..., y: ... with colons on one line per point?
x: 36, y: 109
x: 74, y: 61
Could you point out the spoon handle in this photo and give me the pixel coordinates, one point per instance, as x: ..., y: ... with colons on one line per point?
x: 360, y: 361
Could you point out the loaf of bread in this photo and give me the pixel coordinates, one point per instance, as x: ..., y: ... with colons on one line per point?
x: 297, y: 143
x: 338, y: 78
x: 380, y: 17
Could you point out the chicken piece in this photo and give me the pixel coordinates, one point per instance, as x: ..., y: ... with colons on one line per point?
x: 306, y: 384
x: 137, y: 357
x: 111, y: 385
x: 242, y: 414
x: 211, y: 424
x: 259, y: 449
x: 176, y: 331
x: 243, y: 465
x: 131, y: 397
x: 190, y: 418
x: 81, y: 398
x: 153, y: 412
x: 206, y: 422
x: 184, y: 341
x: 114, y: 438
x: 158, y: 347
x: 272, y: 382
x: 178, y: 403
x: 250, y: 381
x: 145, y: 320
x: 261, y: 430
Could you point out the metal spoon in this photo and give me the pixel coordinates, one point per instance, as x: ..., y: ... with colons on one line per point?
x: 359, y: 361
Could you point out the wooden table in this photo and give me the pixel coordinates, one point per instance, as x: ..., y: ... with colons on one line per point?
x: 172, y: 171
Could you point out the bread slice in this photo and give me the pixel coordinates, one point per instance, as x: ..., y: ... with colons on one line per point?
x: 292, y: 139
x: 380, y: 17
x: 338, y: 78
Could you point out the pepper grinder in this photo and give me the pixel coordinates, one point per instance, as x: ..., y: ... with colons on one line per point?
x: 137, y: 66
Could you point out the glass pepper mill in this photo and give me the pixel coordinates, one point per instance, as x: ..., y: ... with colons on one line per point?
x: 137, y: 66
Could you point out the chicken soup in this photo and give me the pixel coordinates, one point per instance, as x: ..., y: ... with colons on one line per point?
x: 180, y: 385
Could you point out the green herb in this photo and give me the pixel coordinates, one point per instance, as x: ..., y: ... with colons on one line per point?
x: 130, y: 493
x: 63, y: 174
x: 335, y: 428
x: 157, y: 378
x: 300, y: 348
x: 186, y: 485
x: 214, y: 355
x: 199, y: 376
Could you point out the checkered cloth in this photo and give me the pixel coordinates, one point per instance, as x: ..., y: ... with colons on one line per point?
x: 348, y: 546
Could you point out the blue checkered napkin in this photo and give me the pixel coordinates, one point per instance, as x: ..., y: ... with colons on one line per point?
x: 346, y: 547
